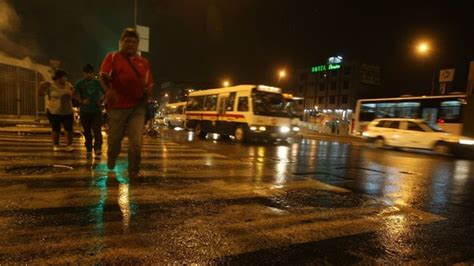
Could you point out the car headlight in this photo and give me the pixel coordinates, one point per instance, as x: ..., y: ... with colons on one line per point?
x: 296, y: 129
x: 253, y: 128
x: 466, y: 141
x: 284, y: 129
x: 262, y: 128
x: 365, y: 134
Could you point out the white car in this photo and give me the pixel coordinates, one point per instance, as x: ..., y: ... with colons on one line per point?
x: 414, y: 133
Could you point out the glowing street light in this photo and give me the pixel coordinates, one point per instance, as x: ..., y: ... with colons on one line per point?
x: 282, y: 73
x: 423, y: 48
x: 226, y: 83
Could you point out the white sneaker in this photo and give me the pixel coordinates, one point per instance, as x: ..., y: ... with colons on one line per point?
x: 69, y: 148
x: 56, y: 148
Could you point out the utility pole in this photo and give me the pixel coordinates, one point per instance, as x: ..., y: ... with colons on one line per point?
x: 135, y: 14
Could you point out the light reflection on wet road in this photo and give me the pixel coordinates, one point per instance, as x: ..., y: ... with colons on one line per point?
x: 306, y: 201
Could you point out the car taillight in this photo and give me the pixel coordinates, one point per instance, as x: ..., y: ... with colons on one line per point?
x: 440, y: 121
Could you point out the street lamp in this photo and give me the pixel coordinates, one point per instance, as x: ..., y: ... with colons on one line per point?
x: 424, y: 48
x: 226, y: 83
x: 281, y: 75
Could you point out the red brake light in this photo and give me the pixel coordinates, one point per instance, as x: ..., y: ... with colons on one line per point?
x: 440, y: 121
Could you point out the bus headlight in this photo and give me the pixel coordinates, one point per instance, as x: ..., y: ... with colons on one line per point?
x: 466, y: 141
x: 262, y: 128
x: 284, y: 129
x: 296, y: 129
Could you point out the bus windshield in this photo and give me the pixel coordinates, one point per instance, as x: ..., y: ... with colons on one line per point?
x: 269, y: 104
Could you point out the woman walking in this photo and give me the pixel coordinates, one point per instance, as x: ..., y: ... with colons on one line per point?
x: 59, y: 109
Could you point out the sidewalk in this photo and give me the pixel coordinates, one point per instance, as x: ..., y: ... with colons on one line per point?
x: 306, y: 133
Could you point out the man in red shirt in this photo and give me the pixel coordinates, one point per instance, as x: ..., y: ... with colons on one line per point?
x: 127, y: 81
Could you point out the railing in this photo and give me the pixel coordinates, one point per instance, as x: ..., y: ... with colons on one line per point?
x: 19, y: 93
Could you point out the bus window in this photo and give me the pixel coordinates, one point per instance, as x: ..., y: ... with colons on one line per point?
x: 243, y: 104
x: 230, y: 102
x: 195, y: 103
x: 370, y: 111
x: 211, y: 103
x: 450, y: 110
x: 179, y: 110
x: 430, y: 115
x: 367, y: 116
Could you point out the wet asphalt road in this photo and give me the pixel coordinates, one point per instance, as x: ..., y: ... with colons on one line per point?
x: 214, y: 201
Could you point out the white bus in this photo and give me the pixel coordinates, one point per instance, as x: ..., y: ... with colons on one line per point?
x: 175, y: 115
x: 446, y: 111
x: 244, y: 111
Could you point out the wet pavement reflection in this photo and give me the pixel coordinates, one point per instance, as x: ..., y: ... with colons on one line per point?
x: 215, y: 201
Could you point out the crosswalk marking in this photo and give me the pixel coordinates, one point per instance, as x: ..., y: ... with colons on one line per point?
x: 193, y: 202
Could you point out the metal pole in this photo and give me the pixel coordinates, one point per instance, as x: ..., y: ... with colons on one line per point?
x: 18, y: 99
x: 433, y: 82
x: 135, y: 14
x: 36, y: 96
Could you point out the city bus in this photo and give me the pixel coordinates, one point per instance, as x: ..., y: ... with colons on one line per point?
x: 445, y: 111
x: 244, y: 112
x: 175, y: 115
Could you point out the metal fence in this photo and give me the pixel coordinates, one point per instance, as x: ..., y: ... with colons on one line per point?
x: 18, y: 93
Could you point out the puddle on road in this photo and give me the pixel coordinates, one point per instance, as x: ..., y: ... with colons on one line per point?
x: 362, y: 168
x: 300, y: 198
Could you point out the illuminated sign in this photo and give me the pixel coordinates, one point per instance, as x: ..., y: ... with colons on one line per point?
x: 268, y: 88
x: 335, y: 60
x: 327, y: 67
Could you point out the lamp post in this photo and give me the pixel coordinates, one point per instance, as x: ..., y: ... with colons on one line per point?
x: 226, y: 83
x: 424, y: 49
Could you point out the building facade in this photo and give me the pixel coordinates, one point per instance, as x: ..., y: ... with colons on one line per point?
x: 330, y: 92
x: 337, y: 85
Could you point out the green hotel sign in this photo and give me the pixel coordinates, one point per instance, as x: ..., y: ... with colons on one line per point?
x: 322, y: 68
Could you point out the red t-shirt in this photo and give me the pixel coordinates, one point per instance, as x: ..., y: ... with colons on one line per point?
x: 123, y: 80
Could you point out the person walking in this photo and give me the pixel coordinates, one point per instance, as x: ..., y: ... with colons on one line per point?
x: 59, y: 108
x: 88, y: 92
x: 127, y: 81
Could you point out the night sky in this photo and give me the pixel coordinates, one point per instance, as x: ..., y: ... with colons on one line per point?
x: 247, y: 41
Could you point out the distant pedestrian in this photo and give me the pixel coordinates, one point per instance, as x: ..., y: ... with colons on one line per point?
x: 89, y: 93
x: 59, y: 108
x: 126, y: 78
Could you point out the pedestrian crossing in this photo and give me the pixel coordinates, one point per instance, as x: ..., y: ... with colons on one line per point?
x: 192, y: 206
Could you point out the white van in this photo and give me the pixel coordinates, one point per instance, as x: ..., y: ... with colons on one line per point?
x: 175, y: 115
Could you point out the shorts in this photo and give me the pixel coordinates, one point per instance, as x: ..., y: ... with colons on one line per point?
x: 56, y: 120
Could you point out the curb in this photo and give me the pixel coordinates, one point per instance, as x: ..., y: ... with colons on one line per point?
x: 337, y: 138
